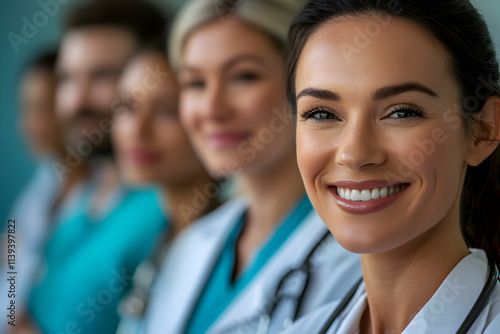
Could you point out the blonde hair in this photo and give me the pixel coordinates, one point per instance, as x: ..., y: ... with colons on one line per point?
x: 273, y: 17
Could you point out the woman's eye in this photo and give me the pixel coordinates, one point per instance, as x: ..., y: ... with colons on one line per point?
x: 406, y: 113
x: 247, y: 77
x: 319, y: 114
x: 194, y: 84
x: 324, y: 115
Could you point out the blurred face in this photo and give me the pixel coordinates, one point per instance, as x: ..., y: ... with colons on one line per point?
x: 90, y: 62
x: 39, y: 122
x: 233, y: 98
x: 380, y: 145
x: 150, y: 142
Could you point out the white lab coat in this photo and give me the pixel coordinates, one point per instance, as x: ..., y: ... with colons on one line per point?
x: 194, y: 253
x: 443, y: 313
x: 33, y: 214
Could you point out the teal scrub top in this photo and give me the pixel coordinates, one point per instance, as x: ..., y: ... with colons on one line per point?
x: 89, y: 265
x: 220, y: 289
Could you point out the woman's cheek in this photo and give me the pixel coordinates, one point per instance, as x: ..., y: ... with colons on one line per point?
x: 188, y: 115
x: 313, y: 155
x: 121, y: 133
x: 258, y: 104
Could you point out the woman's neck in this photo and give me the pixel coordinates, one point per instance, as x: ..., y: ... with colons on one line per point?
x: 400, y: 282
x: 271, y: 195
x: 189, y: 202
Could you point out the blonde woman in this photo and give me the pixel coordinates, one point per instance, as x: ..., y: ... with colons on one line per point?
x: 256, y: 263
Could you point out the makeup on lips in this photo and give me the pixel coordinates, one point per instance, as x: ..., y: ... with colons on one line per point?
x: 143, y: 157
x: 366, y: 197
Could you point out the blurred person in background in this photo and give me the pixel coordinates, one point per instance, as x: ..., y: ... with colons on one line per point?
x: 39, y: 122
x: 152, y: 147
x: 256, y: 263
x: 106, y: 229
x: 34, y: 210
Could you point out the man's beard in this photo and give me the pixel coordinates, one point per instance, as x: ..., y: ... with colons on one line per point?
x: 97, y: 138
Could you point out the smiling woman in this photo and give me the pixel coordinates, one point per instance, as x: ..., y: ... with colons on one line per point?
x: 229, y: 58
x: 397, y: 144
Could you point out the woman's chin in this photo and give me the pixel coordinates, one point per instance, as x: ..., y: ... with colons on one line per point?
x: 364, y: 242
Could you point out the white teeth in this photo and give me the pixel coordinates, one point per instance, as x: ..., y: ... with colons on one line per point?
x: 355, y: 195
x: 367, y: 194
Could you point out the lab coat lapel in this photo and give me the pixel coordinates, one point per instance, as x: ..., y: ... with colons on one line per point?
x: 187, y: 267
x: 252, y: 301
x: 451, y: 303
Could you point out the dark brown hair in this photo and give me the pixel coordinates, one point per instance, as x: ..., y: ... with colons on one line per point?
x: 141, y: 18
x: 458, y: 26
x: 44, y: 61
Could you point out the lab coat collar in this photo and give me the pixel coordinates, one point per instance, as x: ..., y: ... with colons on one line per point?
x: 188, y: 264
x: 447, y: 308
x: 251, y: 302
x: 451, y: 303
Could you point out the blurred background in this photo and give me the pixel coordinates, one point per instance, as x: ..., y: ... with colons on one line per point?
x: 16, y: 162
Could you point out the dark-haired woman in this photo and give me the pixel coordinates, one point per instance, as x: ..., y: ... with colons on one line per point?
x: 398, y: 122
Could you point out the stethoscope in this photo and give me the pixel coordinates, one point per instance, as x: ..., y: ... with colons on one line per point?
x: 302, y: 275
x: 469, y: 320
x: 299, y: 279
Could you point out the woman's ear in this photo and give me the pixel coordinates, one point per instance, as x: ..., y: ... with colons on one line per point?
x: 487, y: 136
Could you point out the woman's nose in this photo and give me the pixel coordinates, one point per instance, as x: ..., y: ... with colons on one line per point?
x: 358, y: 146
x: 214, y: 104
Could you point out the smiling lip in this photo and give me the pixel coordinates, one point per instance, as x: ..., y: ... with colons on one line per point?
x: 381, y: 198
x: 142, y: 157
x: 227, y: 139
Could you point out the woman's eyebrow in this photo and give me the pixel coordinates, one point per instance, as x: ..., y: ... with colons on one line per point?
x: 390, y: 91
x: 380, y: 94
x: 229, y: 63
x: 242, y: 57
x: 323, y: 94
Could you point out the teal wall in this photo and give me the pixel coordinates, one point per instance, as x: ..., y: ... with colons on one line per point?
x: 16, y: 165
